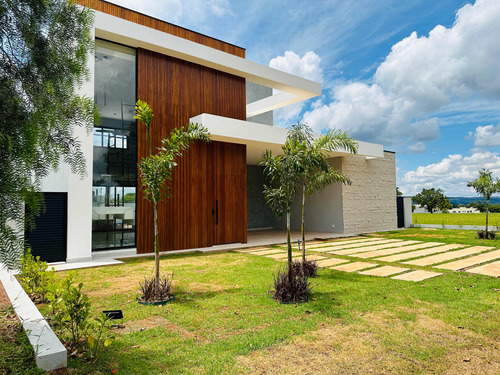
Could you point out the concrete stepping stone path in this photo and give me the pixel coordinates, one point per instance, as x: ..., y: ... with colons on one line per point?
x: 344, y: 242
x: 417, y: 275
x: 253, y: 249
x: 277, y: 255
x: 353, y: 267
x: 383, y: 271
x: 490, y: 269
x: 266, y: 252
x: 396, y: 250
x: 331, y: 262
x: 472, y: 261
x: 360, y: 245
x: 372, y: 248
x: 420, y: 253
x: 440, y: 258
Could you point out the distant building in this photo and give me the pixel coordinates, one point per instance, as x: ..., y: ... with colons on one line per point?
x: 464, y: 210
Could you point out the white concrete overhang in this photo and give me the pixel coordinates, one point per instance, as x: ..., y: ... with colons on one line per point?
x: 293, y: 89
x: 259, y: 137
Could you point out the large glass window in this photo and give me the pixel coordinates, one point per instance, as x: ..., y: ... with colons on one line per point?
x: 115, y: 148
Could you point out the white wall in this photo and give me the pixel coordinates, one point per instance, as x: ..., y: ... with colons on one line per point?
x: 79, y: 232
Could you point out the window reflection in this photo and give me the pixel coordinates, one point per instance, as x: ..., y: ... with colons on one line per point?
x: 115, y: 148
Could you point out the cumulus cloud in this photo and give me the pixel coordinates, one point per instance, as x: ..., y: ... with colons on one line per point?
x: 419, y: 76
x: 486, y: 136
x: 307, y: 66
x: 451, y: 173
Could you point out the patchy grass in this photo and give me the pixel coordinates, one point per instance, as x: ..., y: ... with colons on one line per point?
x: 224, y: 321
x: 458, y: 219
x: 449, y: 236
x: 16, y: 353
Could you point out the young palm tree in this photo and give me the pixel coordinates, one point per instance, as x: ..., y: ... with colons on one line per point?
x: 284, y: 173
x: 156, y: 169
x: 317, y: 172
x: 485, y: 186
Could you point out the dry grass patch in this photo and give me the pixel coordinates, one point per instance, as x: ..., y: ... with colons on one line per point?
x: 382, y: 343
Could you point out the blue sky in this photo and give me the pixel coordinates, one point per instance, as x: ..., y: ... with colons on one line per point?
x: 420, y: 77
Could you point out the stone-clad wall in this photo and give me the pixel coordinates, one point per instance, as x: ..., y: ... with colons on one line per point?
x: 369, y: 203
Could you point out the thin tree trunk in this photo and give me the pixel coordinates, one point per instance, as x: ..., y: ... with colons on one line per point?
x: 303, y: 226
x: 289, y: 245
x: 157, y: 252
x: 487, y: 209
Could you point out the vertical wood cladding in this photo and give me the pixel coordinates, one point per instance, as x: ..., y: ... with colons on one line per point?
x: 129, y: 15
x: 208, y: 172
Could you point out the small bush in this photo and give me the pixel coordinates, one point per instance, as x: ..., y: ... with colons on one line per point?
x: 156, y: 290
x: 291, y: 289
x: 35, y: 277
x: 483, y: 235
x: 308, y: 268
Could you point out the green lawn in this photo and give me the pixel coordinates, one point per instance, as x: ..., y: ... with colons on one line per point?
x: 224, y: 321
x: 458, y: 219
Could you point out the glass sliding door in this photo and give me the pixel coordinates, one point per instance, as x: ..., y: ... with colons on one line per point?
x: 115, y: 148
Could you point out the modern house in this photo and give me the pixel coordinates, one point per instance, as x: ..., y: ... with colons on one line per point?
x: 186, y: 76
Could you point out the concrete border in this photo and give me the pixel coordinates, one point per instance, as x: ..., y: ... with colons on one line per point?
x: 50, y: 353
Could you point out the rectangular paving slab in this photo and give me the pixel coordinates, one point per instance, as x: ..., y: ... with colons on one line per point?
x: 253, y: 249
x: 418, y: 275
x: 440, y: 258
x: 373, y: 248
x: 383, y: 271
x: 396, y: 250
x: 420, y: 253
x: 281, y: 255
x: 360, y: 245
x: 472, y: 261
x: 490, y: 269
x: 345, y: 242
x: 353, y: 267
x: 266, y: 252
x: 331, y: 262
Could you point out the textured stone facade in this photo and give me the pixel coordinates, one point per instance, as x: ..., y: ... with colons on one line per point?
x: 369, y: 203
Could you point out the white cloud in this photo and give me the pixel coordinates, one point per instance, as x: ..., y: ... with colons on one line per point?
x: 417, y: 148
x: 485, y: 136
x: 307, y: 66
x: 451, y: 174
x: 419, y: 76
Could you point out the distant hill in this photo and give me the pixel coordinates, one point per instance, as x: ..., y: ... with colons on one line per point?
x: 466, y: 200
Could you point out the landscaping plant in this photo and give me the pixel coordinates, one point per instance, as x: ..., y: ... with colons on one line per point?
x: 485, y: 186
x: 154, y: 172
x: 35, y: 277
x: 284, y: 173
x: 317, y: 173
x: 44, y: 49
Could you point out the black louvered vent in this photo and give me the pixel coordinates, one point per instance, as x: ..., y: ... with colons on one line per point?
x: 48, y: 239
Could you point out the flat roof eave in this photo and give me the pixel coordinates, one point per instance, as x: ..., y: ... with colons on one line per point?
x: 258, y: 137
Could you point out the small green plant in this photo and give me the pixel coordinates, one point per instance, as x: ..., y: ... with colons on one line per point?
x: 35, y: 277
x: 71, y: 310
x: 99, y: 336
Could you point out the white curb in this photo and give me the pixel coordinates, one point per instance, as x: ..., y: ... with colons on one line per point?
x: 50, y: 353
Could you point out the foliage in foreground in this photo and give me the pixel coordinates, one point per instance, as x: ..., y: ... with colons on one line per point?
x: 291, y: 288
x: 307, y: 268
x: 43, y: 54
x: 155, y: 170
x: 485, y: 186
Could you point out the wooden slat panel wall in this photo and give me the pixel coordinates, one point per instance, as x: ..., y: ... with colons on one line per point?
x: 176, y: 91
x: 231, y: 193
x: 129, y: 15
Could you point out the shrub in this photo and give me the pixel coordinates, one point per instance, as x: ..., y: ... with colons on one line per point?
x: 71, y: 310
x: 308, y: 268
x: 99, y: 336
x: 481, y: 234
x: 35, y: 277
x: 291, y: 289
x: 154, y: 289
